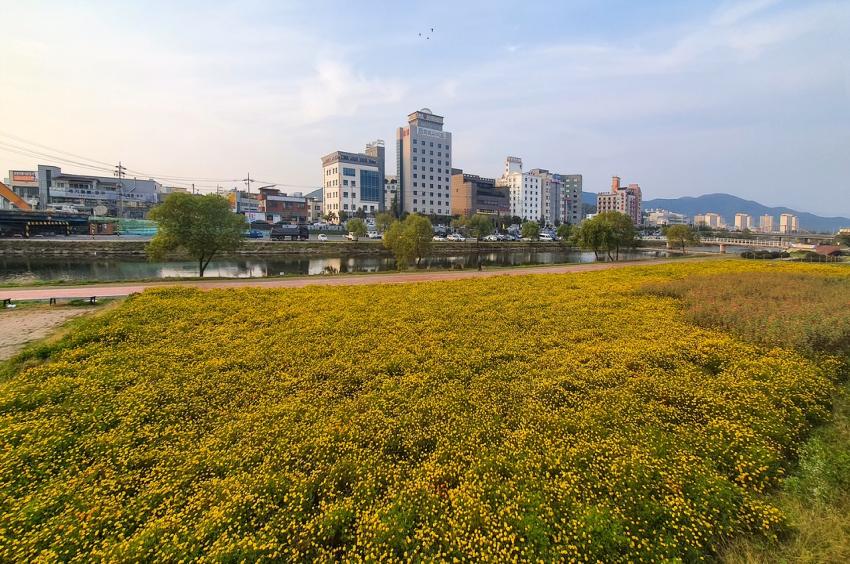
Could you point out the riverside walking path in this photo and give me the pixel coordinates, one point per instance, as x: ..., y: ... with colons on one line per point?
x: 119, y: 289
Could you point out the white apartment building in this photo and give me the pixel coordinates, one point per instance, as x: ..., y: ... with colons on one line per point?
x: 743, y: 222
x: 766, y: 223
x: 526, y: 190
x: 353, y: 182
x: 424, y: 163
x: 540, y: 194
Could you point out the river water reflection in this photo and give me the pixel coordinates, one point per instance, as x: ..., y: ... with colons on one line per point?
x: 22, y: 269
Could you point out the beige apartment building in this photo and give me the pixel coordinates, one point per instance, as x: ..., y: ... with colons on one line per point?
x: 788, y: 223
x: 424, y: 162
x: 766, y: 224
x: 743, y: 222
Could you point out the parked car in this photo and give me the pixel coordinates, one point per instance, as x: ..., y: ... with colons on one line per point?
x: 438, y: 238
x: 350, y: 236
x: 456, y: 237
x: 491, y: 237
x: 254, y: 234
x: 546, y: 237
x: 322, y: 237
x: 373, y: 235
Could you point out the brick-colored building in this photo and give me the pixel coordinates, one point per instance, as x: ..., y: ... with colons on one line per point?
x: 291, y: 209
x: 626, y: 200
x: 471, y: 194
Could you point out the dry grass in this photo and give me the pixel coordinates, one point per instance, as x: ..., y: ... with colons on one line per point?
x: 810, y: 313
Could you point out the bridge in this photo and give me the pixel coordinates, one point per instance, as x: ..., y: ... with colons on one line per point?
x: 757, y: 243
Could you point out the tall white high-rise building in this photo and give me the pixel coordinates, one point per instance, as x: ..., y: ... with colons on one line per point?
x: 424, y: 163
x: 525, y: 189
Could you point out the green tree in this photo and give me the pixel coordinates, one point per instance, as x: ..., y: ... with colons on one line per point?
x: 479, y: 226
x: 609, y: 232
x: 343, y: 216
x: 330, y: 217
x: 623, y: 232
x: 383, y: 220
x: 564, y: 231
x: 394, y: 206
x: 409, y: 239
x: 680, y: 236
x: 201, y: 226
x: 843, y: 239
x: 530, y: 230
x: 591, y: 235
x: 357, y: 228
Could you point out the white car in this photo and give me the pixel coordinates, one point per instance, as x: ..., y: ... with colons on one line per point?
x: 373, y: 235
x: 456, y: 237
x: 322, y: 237
x: 438, y: 238
x: 491, y: 238
x: 546, y: 237
x: 349, y: 236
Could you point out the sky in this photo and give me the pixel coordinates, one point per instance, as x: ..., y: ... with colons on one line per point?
x: 685, y: 98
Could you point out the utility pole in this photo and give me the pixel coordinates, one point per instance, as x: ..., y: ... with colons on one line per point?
x: 248, y: 182
x: 120, y: 171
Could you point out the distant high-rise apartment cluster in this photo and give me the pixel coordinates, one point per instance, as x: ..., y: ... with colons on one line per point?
x: 788, y: 223
x: 623, y: 199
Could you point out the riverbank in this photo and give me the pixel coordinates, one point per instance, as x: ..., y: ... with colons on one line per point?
x: 98, y: 248
x: 125, y: 289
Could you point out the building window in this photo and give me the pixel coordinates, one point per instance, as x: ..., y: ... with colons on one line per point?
x: 345, y: 182
x: 348, y: 171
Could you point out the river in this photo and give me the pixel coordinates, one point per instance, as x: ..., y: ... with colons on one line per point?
x: 28, y: 270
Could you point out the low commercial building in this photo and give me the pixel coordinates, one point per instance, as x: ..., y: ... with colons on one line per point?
x: 471, y: 194
x: 659, y: 218
x: 624, y: 199
x: 354, y: 182
x: 290, y: 209
x: 48, y: 188
x: 24, y: 184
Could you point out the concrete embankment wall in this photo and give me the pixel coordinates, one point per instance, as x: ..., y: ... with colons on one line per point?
x: 84, y: 248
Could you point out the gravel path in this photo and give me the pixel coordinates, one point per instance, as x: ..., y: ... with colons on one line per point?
x: 20, y: 326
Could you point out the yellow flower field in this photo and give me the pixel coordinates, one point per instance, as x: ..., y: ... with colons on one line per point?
x: 551, y: 417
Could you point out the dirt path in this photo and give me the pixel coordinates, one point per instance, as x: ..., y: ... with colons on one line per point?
x: 125, y: 289
x: 21, y: 326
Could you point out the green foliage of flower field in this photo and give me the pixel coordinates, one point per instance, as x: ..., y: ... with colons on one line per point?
x: 558, y: 417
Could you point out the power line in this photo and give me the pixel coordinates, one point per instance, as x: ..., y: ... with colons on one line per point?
x: 103, y: 166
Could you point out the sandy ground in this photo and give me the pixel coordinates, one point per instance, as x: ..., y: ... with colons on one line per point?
x: 20, y: 326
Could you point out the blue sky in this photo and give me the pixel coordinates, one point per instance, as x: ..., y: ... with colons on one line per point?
x: 685, y: 98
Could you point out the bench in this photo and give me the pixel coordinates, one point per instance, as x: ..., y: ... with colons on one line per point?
x: 7, y: 302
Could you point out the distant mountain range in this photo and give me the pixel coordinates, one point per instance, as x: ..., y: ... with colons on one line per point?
x: 728, y: 205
